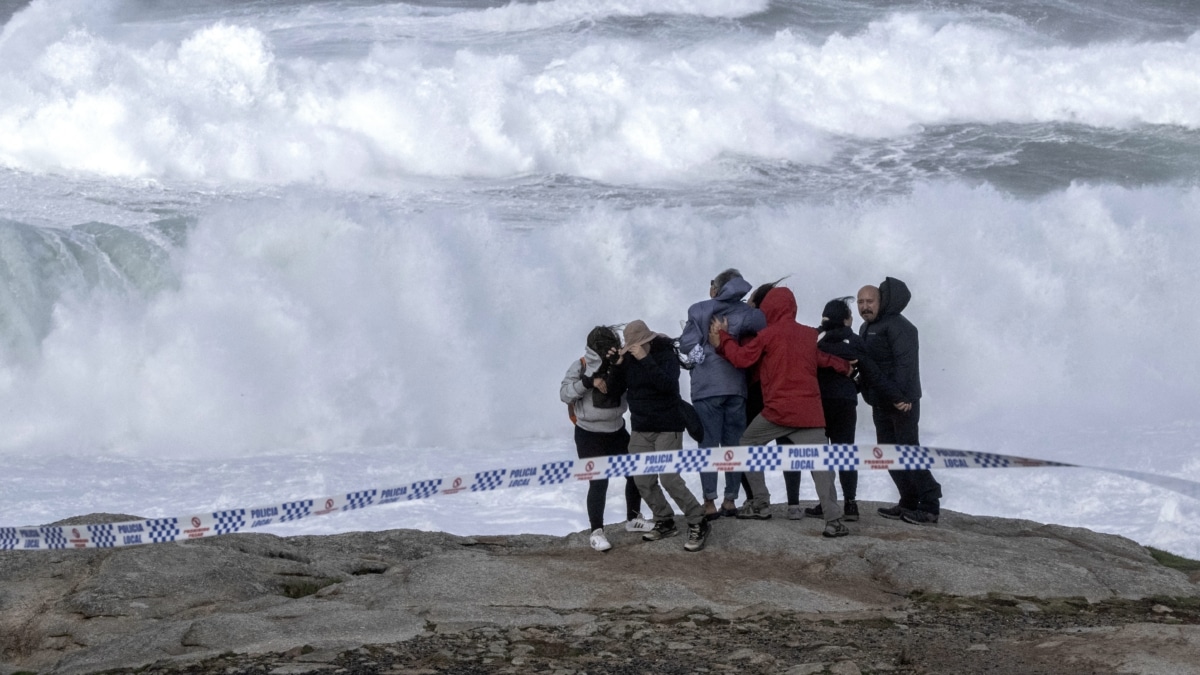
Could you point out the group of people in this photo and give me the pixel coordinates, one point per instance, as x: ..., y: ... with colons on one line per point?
x: 757, y: 375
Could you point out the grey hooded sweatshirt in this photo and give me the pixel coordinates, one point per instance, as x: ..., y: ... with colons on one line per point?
x: 587, y: 415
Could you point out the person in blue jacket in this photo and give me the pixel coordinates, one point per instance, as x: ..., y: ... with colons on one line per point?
x: 718, y: 388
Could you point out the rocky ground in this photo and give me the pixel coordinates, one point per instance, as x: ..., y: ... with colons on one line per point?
x: 972, y: 595
x: 936, y: 634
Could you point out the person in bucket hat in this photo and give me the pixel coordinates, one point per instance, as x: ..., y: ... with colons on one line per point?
x: 652, y: 378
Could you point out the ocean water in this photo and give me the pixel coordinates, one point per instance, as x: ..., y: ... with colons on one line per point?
x: 267, y: 250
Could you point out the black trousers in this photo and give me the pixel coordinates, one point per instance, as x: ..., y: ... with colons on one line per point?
x: 841, y: 419
x: 918, y: 489
x: 595, y: 444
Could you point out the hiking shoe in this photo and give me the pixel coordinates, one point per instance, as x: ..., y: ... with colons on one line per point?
x: 795, y: 512
x: 754, y: 513
x: 599, y: 541
x: 662, y: 530
x: 891, y: 512
x: 850, y: 511
x: 639, y: 524
x: 917, y: 517
x: 697, y: 536
x: 814, y: 512
x: 835, y: 528
x: 728, y: 510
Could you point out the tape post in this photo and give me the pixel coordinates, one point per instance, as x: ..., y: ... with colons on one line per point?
x: 771, y: 459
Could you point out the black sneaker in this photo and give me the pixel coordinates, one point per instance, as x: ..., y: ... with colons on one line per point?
x: 662, y: 530
x: 850, y: 511
x: 697, y: 536
x: 919, y: 517
x: 748, y: 512
x: 891, y: 513
x: 814, y: 512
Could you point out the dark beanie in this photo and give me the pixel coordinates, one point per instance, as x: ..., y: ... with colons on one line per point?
x: 835, y: 313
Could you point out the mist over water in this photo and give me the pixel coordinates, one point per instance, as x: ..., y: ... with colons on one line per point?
x: 305, y: 324
x: 256, y: 232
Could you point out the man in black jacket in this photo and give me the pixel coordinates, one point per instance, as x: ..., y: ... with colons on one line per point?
x: 891, y: 341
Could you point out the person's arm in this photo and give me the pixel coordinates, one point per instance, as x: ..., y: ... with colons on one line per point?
x: 902, y: 336
x: 572, y: 388
x: 827, y: 360
x: 617, y: 385
x: 662, y: 373
x: 881, y: 384
x: 740, y: 355
x: 692, y: 334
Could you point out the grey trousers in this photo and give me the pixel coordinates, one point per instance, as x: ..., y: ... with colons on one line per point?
x: 648, y: 484
x: 762, y: 431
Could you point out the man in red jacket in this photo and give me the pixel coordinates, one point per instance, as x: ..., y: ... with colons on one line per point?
x: 787, y: 357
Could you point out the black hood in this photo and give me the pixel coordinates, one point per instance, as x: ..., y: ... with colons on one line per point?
x: 893, y: 296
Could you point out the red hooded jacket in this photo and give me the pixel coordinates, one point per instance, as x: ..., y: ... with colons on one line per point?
x: 787, y: 355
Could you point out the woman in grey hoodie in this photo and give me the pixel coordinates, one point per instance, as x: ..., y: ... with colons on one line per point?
x: 594, y: 392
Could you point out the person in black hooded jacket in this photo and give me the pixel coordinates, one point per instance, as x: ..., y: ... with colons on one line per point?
x: 891, y: 342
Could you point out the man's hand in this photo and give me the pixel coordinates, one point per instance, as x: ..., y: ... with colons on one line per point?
x: 639, y: 352
x: 903, y: 406
x: 600, y: 384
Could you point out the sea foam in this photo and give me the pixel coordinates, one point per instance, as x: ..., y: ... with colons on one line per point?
x: 220, y: 105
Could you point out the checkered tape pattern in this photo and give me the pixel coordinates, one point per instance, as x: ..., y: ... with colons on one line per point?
x: 360, y: 499
x: 764, y: 458
x: 102, y: 536
x: 296, y: 510
x: 758, y: 458
x: 992, y: 461
x: 425, y: 488
x: 692, y: 460
x: 621, y: 465
x: 163, y: 529
x: 8, y: 538
x: 488, y: 480
x: 225, y: 522
x: 555, y: 473
x: 841, y: 457
x: 914, y: 457
x: 53, y: 537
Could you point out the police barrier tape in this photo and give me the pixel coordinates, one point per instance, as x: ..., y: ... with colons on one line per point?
x: 752, y: 458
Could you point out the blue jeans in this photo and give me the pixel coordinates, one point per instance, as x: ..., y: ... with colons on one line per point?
x: 724, y: 420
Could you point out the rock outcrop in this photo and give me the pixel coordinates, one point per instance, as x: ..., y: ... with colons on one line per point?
x: 87, y: 611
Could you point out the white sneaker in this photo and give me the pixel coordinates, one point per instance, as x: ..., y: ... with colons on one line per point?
x: 639, y: 524
x: 599, y: 541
